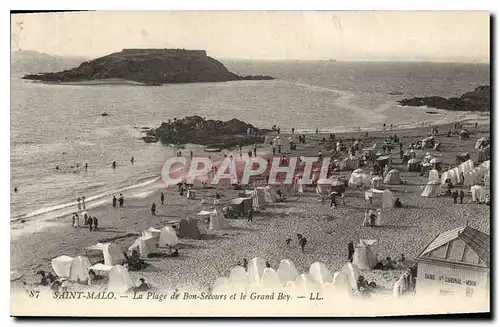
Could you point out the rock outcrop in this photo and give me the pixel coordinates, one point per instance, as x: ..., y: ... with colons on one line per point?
x: 479, y: 99
x: 149, y: 66
x: 197, y: 130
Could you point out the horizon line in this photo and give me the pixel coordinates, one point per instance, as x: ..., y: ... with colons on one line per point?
x: 381, y: 60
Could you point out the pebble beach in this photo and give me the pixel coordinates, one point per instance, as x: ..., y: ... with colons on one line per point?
x: 404, y: 230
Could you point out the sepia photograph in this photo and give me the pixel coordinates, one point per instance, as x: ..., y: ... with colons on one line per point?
x: 250, y: 163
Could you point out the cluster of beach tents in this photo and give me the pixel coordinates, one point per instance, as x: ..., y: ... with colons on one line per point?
x: 286, y: 277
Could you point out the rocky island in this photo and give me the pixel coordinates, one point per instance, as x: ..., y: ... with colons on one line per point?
x: 212, y: 133
x: 150, y: 67
x: 477, y: 100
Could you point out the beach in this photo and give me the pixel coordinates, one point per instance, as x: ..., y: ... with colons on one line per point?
x: 405, y: 230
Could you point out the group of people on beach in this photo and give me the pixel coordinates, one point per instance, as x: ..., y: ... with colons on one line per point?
x: 75, y: 168
x: 91, y: 222
x: 120, y: 200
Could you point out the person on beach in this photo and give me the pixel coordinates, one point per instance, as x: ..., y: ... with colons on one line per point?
x: 73, y: 220
x: 455, y: 196
x: 85, y: 219
x: 350, y: 251
x: 90, y: 223
x: 153, y: 209
x: 132, y: 160
x: 288, y: 241
x: 462, y: 195
x: 372, y: 217
x: 114, y: 201
x: 162, y: 198
x: 391, y: 127
x: 143, y: 286
x: 96, y: 223
x: 83, y: 202
x: 333, y: 202
x: 86, y: 166
x: 293, y: 130
x: 121, y: 200
x: 317, y: 131
x: 303, y: 242
x: 378, y: 221
x: 278, y: 130
x: 384, y: 127
x: 249, y: 153
x: 268, y: 265
x: 79, y: 204
x: 15, y: 189
x: 274, y: 150
x: 241, y: 150
x: 113, y: 164
x: 250, y: 215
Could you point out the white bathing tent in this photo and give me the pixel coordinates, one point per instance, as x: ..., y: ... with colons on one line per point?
x: 151, y: 231
x: 377, y: 182
x: 79, y: 270
x: 487, y: 178
x: 347, y: 277
x: 306, y: 282
x: 270, y: 279
x: 62, y: 265
x: 238, y: 278
x: 144, y: 245
x: 433, y: 175
x: 112, y: 253
x: 413, y: 165
x: 388, y: 199
x: 359, y: 177
x: 287, y: 271
x: 451, y: 175
x: 168, y: 237
x: 365, y: 256
x: 432, y: 189
x: 255, y: 270
x: 119, y: 280
x: 217, y: 221
x: 474, y: 176
x: 392, y: 178
x: 479, y: 193
x: 258, y: 196
x: 320, y: 273
x: 270, y: 194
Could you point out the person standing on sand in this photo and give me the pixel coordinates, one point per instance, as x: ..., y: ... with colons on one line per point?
x: 96, y: 223
x: 79, y: 204
x: 121, y: 200
x: 455, y: 196
x: 86, y: 166
x: 132, y: 160
x: 317, y: 131
x: 462, y: 195
x: 241, y: 150
x: 153, y: 209
x: 114, y: 201
x: 250, y: 215
x: 73, y: 220
x: 162, y: 198
x: 15, y: 189
x: 383, y: 127
x: 293, y: 130
x: 288, y: 241
x: 83, y: 202
x: 302, y: 242
x: 113, y: 164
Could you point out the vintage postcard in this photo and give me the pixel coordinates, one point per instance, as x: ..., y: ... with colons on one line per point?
x: 250, y: 163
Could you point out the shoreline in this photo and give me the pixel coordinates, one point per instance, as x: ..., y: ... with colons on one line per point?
x: 305, y: 216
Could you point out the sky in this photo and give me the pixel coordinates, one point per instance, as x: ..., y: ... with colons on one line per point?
x: 267, y: 35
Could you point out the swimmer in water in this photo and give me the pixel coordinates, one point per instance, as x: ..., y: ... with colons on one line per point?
x: 57, y: 167
x: 15, y: 189
x: 132, y: 160
x: 114, y: 164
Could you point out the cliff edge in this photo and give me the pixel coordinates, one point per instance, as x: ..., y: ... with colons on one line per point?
x: 149, y: 66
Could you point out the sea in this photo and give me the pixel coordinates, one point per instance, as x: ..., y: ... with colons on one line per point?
x: 62, y: 124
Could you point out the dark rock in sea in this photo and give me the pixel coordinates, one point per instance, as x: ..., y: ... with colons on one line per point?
x: 197, y: 130
x: 152, y: 67
x: 479, y: 99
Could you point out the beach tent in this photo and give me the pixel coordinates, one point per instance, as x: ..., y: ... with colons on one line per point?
x: 100, y: 267
x: 168, y: 237
x: 323, y: 186
x: 270, y: 279
x: 255, y: 270
x: 376, y: 182
x: 388, y: 199
x: 464, y: 134
x: 413, y: 165
x: 351, y: 274
x: 145, y: 245
x: 270, y: 194
x: 112, y: 253
x: 119, y: 280
x: 79, y: 270
x: 258, y: 196
x: 241, y: 206
x: 487, y: 178
x: 428, y: 142
x: 433, y: 175
x: 359, y: 178
x: 451, y: 175
x: 365, y: 257
x: 287, y: 271
x: 151, y: 231
x: 222, y: 285
x: 351, y: 163
x: 432, y: 189
x: 480, y: 143
x: 392, y: 177
x: 238, y: 277
x: 479, y: 193
x: 306, y: 282
x: 217, y: 221
x: 62, y: 265
x: 320, y: 273
x: 188, y: 228
x: 473, y: 177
